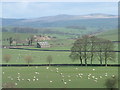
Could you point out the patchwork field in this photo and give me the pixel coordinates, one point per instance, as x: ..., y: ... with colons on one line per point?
x: 57, y: 77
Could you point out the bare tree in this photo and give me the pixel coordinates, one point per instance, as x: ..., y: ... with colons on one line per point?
x: 49, y: 59
x: 86, y: 48
x: 80, y: 48
x: 89, y: 47
x: 109, y: 53
x: 99, y: 48
x: 28, y: 59
x: 93, y: 47
x: 76, y: 51
x: 7, y: 58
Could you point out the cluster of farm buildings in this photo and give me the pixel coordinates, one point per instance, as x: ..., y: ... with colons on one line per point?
x: 41, y: 42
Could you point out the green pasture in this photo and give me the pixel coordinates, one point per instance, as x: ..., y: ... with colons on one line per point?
x: 39, y: 57
x: 58, y: 44
x: 57, y: 77
x: 110, y: 35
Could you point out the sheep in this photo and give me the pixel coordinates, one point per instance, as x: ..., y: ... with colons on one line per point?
x: 15, y: 83
x: 28, y: 79
x: 33, y: 79
x: 65, y: 82
x: 51, y: 81
x: 47, y: 67
x: 100, y: 76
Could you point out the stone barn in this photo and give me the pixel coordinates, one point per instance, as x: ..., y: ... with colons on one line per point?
x: 43, y: 45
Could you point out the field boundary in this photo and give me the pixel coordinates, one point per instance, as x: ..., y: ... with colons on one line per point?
x: 24, y: 65
x: 58, y: 50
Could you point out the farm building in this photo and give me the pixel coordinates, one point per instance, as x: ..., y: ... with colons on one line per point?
x: 43, y: 44
x: 40, y: 37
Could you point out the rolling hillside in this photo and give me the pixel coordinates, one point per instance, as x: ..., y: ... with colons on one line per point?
x: 91, y: 20
x: 110, y: 35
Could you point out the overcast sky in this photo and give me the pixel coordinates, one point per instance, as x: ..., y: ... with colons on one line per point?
x: 40, y: 9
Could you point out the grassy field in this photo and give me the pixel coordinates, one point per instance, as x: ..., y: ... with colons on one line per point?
x: 57, y: 77
x: 58, y: 57
x: 17, y: 57
x: 110, y: 35
x: 43, y: 77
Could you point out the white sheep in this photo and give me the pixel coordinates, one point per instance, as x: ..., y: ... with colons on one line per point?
x: 51, y: 81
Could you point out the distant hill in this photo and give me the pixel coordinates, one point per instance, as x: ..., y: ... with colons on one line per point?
x: 91, y: 20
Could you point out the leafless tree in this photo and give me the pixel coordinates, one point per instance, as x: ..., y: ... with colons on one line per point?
x: 28, y: 59
x: 109, y: 54
x: 49, y: 59
x: 7, y: 58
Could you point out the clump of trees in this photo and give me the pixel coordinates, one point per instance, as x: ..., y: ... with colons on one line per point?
x: 30, y: 41
x: 90, y: 48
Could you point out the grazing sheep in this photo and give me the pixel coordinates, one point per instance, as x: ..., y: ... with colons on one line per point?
x: 51, y: 81
x: 106, y: 75
x: 80, y: 76
x: 60, y: 73
x: 18, y: 79
x: 28, y: 79
x: 57, y: 71
x: 36, y: 72
x: 33, y: 79
x: 93, y: 76
x: 96, y: 78
x: 113, y: 76
x: 15, y: 83
x: 57, y: 68
x: 65, y: 82
x: 47, y: 67
x: 76, y: 68
x: 88, y: 77
x: 76, y: 75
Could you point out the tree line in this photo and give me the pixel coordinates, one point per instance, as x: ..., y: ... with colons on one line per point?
x: 28, y: 59
x: 91, y: 48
